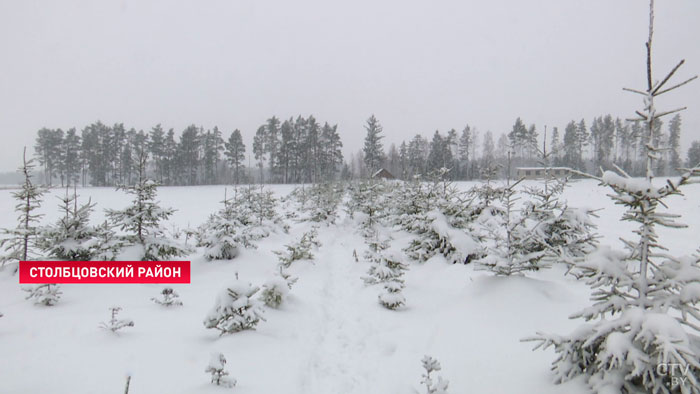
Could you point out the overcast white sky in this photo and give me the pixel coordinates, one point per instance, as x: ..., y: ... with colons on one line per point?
x: 418, y: 65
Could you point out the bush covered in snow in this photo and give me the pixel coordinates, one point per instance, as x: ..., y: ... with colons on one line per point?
x: 46, y: 294
x: 438, y: 214
x: 300, y: 250
x: 316, y: 203
x: 274, y: 291
x: 246, y: 217
x: 256, y: 205
x: 169, y: 297
x: 433, y: 384
x: 235, y: 309
x: 219, y: 376
x: 114, y: 324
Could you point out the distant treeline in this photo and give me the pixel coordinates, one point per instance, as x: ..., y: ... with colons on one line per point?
x: 303, y: 150
x: 470, y: 154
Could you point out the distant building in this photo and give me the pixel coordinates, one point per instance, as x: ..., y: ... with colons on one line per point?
x: 539, y: 172
x: 383, y: 174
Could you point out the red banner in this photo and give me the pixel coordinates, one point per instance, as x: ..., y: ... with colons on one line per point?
x: 104, y: 272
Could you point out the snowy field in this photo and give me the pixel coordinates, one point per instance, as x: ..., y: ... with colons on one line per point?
x: 331, y: 336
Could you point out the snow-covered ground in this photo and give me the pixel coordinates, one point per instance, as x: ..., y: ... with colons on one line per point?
x: 332, y: 336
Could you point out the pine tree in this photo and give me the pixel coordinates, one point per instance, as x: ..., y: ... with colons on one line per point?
x: 156, y: 148
x: 170, y: 161
x: 142, y: 219
x: 674, y: 142
x: 21, y: 242
x: 556, y: 147
x: 235, y: 153
x: 331, y: 155
x: 288, y: 150
x: 436, y: 156
x: 465, y: 141
x: 71, y: 157
x: 271, y: 145
x: 417, y: 153
x: 188, y: 155
x: 373, y: 150
x: 694, y: 154
x: 488, y: 154
x: 644, y: 313
x: 259, y: 149
x: 519, y: 138
x: 572, y: 154
x: 210, y: 156
x: 581, y: 141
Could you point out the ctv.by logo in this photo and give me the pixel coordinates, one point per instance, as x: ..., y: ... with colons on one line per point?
x: 677, y: 373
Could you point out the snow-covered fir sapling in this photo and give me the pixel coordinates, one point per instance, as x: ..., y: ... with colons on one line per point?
x: 219, y: 376
x: 558, y: 229
x: 438, y: 214
x: 20, y: 243
x: 248, y: 216
x: 390, y: 272
x: 274, y: 291
x: 376, y: 244
x: 169, y: 297
x: 368, y: 198
x: 300, y: 250
x: 142, y: 219
x: 510, y: 246
x: 221, y: 235
x: 318, y: 203
x: 644, y: 321
x: 46, y: 294
x: 114, y: 324
x: 235, y: 309
x: 433, y: 384
x: 73, y: 238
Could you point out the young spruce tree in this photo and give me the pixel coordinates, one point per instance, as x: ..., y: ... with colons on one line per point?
x: 20, y: 242
x: 643, y: 328
x: 142, y: 219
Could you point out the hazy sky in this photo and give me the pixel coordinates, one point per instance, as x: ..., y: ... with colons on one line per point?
x: 418, y: 65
